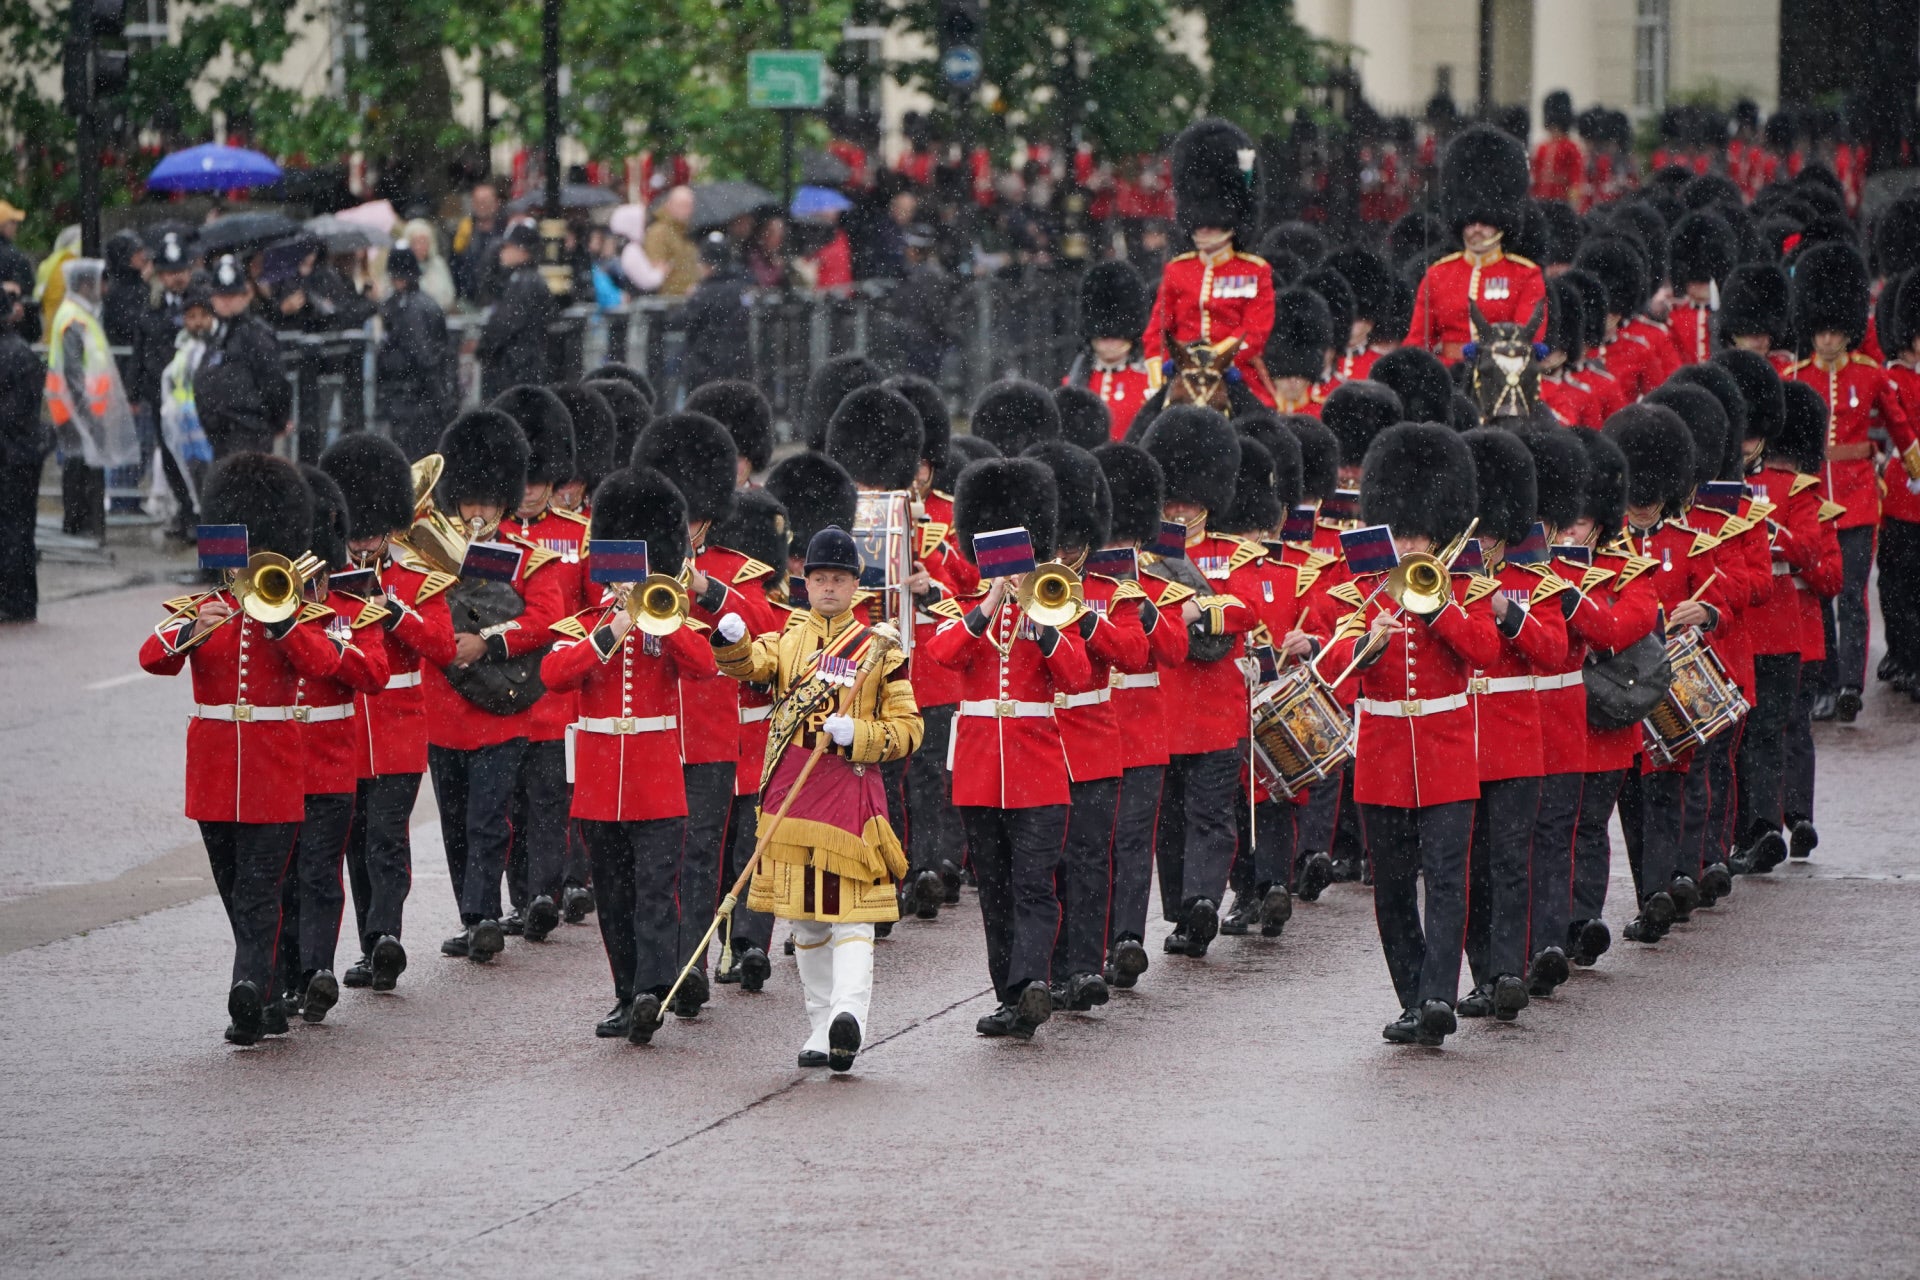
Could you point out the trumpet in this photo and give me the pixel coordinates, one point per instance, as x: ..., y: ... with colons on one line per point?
x: 658, y: 606
x: 268, y: 589
x: 1421, y: 584
x: 433, y: 537
x: 1052, y: 596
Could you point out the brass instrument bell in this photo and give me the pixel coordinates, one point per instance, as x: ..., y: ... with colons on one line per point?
x: 269, y: 587
x: 433, y: 537
x: 1052, y: 596
x: 658, y: 606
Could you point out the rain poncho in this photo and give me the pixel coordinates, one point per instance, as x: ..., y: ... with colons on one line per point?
x: 180, y: 427
x: 86, y: 402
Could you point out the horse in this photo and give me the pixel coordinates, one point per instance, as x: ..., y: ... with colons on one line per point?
x: 1201, y: 373
x: 1503, y: 375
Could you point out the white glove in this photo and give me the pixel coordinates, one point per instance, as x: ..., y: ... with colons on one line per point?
x: 840, y: 729
x: 732, y: 627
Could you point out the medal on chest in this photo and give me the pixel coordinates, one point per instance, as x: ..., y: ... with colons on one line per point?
x: 1211, y: 566
x: 1495, y: 289
x: 1236, y: 287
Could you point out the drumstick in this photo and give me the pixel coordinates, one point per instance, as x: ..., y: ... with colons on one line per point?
x: 1299, y: 622
x: 1694, y: 598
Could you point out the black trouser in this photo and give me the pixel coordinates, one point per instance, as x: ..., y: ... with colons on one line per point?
x: 248, y: 861
x: 1197, y: 839
x: 893, y: 780
x: 1899, y: 555
x: 1592, y: 846
x: 380, y: 854
x: 1845, y: 616
x: 1763, y: 747
x: 1319, y: 816
x: 933, y: 828
x: 318, y: 853
x: 542, y: 799
x: 1408, y: 845
x: 19, y: 561
x: 636, y: 874
x: 1796, y: 788
x: 1499, y: 877
x: 750, y: 928
x: 474, y: 791
x: 1723, y: 799
x: 1268, y: 835
x: 1349, y: 842
x: 1084, y: 880
x: 709, y: 804
x: 1135, y: 818
x: 1650, y: 817
x: 83, y: 499
x: 1014, y: 852
x: 1552, y: 876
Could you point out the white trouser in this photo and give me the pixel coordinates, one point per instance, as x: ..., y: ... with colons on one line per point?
x: 836, y: 972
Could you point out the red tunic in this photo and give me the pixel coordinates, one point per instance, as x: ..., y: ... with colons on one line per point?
x: 1206, y: 702
x: 1683, y: 563
x: 1630, y: 362
x: 1229, y: 295
x: 1571, y: 402
x: 1618, y: 606
x: 1796, y: 544
x: 565, y: 534
x: 1089, y: 729
x: 1507, y: 288
x: 1123, y: 389
x: 710, y: 709
x: 1506, y: 706
x: 1898, y: 501
x: 457, y: 724
x: 1609, y: 396
x: 1356, y: 363
x: 1860, y: 397
x: 954, y: 577
x: 392, y: 724
x: 1660, y: 349
x: 333, y: 746
x: 1138, y: 699
x: 1558, y: 166
x: 1690, y: 326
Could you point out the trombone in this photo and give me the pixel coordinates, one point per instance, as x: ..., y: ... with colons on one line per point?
x: 1421, y: 584
x: 434, y: 537
x: 658, y: 605
x: 1052, y: 595
x: 268, y: 590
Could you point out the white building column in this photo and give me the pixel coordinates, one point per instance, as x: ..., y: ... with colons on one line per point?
x: 1383, y: 29
x: 1565, y: 49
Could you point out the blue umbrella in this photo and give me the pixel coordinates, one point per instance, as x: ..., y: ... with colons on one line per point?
x: 811, y: 202
x: 212, y: 167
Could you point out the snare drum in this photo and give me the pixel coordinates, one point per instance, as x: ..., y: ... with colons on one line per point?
x: 1301, y: 734
x: 1702, y: 702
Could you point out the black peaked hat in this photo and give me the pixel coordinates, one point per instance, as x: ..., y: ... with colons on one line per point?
x: 697, y: 455
x: 1423, y: 384
x: 639, y: 503
x: 1702, y: 248
x: 1213, y: 178
x: 1706, y: 424
x: 739, y: 406
x: 595, y: 431
x: 1138, y: 490
x: 266, y: 494
x: 816, y: 491
x: 1256, y: 502
x: 1418, y: 478
x: 1605, y: 498
x: 961, y: 451
x: 936, y: 422
x: 1114, y: 302
x: 1014, y: 413
x: 1319, y: 455
x: 1371, y: 280
x: 330, y: 517
x: 829, y: 386
x: 548, y: 427
x: 1084, y: 419
x: 757, y: 528
x: 378, y: 484
x: 1086, y: 501
x: 1483, y: 178
x: 632, y: 411
x: 486, y: 462
x: 876, y: 435
x: 1357, y: 412
x: 1756, y: 299
x: 1503, y: 475
x: 1803, y: 430
x: 1006, y: 493
x: 1560, y: 469
x: 1199, y: 454
x: 832, y: 548
x: 1659, y: 455
x: 1759, y: 384
x: 1831, y: 291
x: 1302, y: 333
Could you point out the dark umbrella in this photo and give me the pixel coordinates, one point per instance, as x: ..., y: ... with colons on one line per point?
x: 237, y: 232
x: 718, y: 203
x: 573, y: 195
x: 820, y: 169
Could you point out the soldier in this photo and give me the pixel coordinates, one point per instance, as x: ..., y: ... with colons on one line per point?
x: 1113, y: 312
x: 1559, y: 166
x: 1483, y: 192
x: 1754, y: 312
x: 748, y: 418
x: 1565, y: 393
x: 1622, y: 270
x: 513, y: 343
x: 1898, y: 546
x: 1701, y: 256
x: 1013, y: 413
x: 1374, y: 304
x: 1296, y: 351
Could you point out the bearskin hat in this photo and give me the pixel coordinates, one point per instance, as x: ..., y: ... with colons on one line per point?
x: 548, y: 427
x: 1560, y: 468
x: 1266, y: 429
x: 1702, y: 248
x: 1759, y: 385
x: 1463, y: 414
x: 631, y: 414
x: 640, y: 504
x: 738, y: 406
x: 936, y: 423
x: 1896, y: 237
x: 1371, y: 281
x: 377, y: 482
x: 329, y: 540
x: 1706, y: 423
x: 1533, y: 238
x: 1414, y: 235
x: 1604, y: 500
x: 697, y: 455
x: 1556, y: 111
x: 1338, y: 295
x: 1138, y: 491
x: 1564, y: 231
x: 1803, y: 429
x: 1392, y: 327
x: 1755, y: 299
x: 1622, y: 271
x: 1302, y: 334
x: 1704, y: 191
x: 1593, y: 304
x: 1198, y: 452
x: 757, y: 528
x: 1282, y: 265
x: 594, y: 430
x: 1012, y: 414
x: 1566, y: 319
x: 829, y: 386
x: 1295, y: 239
x: 1007, y: 493
x: 1357, y: 412
x: 1319, y: 456
x: 1213, y: 178
x: 1419, y: 379
x: 1256, y: 506
x: 1831, y: 291
x: 962, y: 450
x: 1483, y: 178
x: 1418, y: 478
x: 1503, y: 475
x: 1086, y: 502
x: 1659, y: 453
x: 1642, y: 222
x: 486, y: 461
x: 1084, y: 419
x: 265, y: 493
x: 1903, y: 315
x: 631, y: 376
x: 875, y: 434
x: 1113, y: 302
x: 1515, y: 120
x: 1715, y: 380
x: 816, y: 492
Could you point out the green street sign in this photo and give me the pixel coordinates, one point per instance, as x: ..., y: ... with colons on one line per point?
x: 787, y: 79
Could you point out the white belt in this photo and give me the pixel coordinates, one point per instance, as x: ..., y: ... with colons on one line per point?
x: 1121, y: 680
x: 316, y: 715
x: 1412, y: 707
x: 1067, y: 701
x: 244, y: 713
x: 1782, y: 569
x: 1006, y: 709
x: 405, y: 680
x: 1500, y: 684
x: 1566, y: 680
x: 754, y: 715
x: 621, y: 725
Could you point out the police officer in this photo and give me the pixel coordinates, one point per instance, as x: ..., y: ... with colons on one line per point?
x: 513, y: 342
x: 242, y: 396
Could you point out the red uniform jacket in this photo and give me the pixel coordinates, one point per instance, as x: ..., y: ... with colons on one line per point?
x: 1860, y: 396
x: 954, y: 577
x: 1796, y: 542
x: 1138, y: 700
x: 1206, y: 702
x: 1212, y: 299
x: 457, y: 724
x: 710, y: 709
x: 245, y: 767
x: 1745, y: 564
x: 332, y: 746
x: 1309, y: 404
x: 1571, y: 402
x: 1089, y: 728
x: 1690, y: 326
x: 1006, y: 752
x: 1416, y: 741
x: 1122, y: 388
x: 1285, y: 600
x: 1356, y: 363
x: 391, y: 726
x: 1609, y: 396
x: 1506, y: 706
x: 1630, y: 362
x: 1617, y: 606
x: 1659, y: 340
x: 1560, y: 688
x: 1898, y: 501
x: 1506, y: 287
x: 1683, y: 563
x: 565, y: 534
x: 626, y: 744
x: 1816, y: 587
x: 1558, y: 166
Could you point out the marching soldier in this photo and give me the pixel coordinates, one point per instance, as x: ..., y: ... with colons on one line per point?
x: 1621, y: 268
x: 1113, y: 313
x: 1483, y: 193
x: 1296, y: 351
x: 1755, y: 312
x: 1700, y: 257
x: 748, y: 418
x: 1374, y: 304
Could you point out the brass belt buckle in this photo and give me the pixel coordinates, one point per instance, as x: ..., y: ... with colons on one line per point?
x: 1477, y: 685
x: 1117, y: 680
x: 1003, y: 709
x: 624, y: 724
x: 1060, y: 701
x: 242, y: 713
x: 1410, y: 707
x: 303, y: 714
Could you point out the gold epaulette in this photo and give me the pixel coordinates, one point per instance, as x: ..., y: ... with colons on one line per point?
x: 1348, y: 593
x: 1177, y: 593
x: 1635, y: 566
x: 536, y: 558
x: 436, y: 583
x: 932, y: 534
x: 1449, y: 258
x: 799, y: 615
x: 1801, y: 483
x: 1514, y: 257
x: 942, y: 494
x: 751, y: 570
x: 1125, y: 590
x: 1855, y: 357
x: 312, y: 612
x: 1181, y: 257
x: 572, y: 628
x: 1245, y: 554
x: 408, y: 558
x: 1308, y: 571
x: 1703, y: 541
x: 694, y: 624
x: 948, y: 608
x: 574, y: 516
x: 863, y: 597
x: 1350, y: 625
x: 1798, y: 365
x: 180, y: 604
x: 1831, y: 511
x: 1759, y: 512
x: 370, y: 613
x: 1549, y: 586
x: 1250, y: 257
x: 1480, y: 588
x: 1594, y: 576
x: 1733, y: 528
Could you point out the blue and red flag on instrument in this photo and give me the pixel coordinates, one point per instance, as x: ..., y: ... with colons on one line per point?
x: 1115, y: 562
x: 1171, y: 544
x: 222, y: 546
x: 1369, y: 550
x: 1472, y: 557
x: 1531, y: 549
x: 1720, y: 495
x: 617, y: 560
x: 1573, y: 552
x: 491, y: 561
x: 1344, y: 505
x: 1299, y: 525
x: 1003, y: 552
x: 355, y: 582
x: 1266, y: 661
